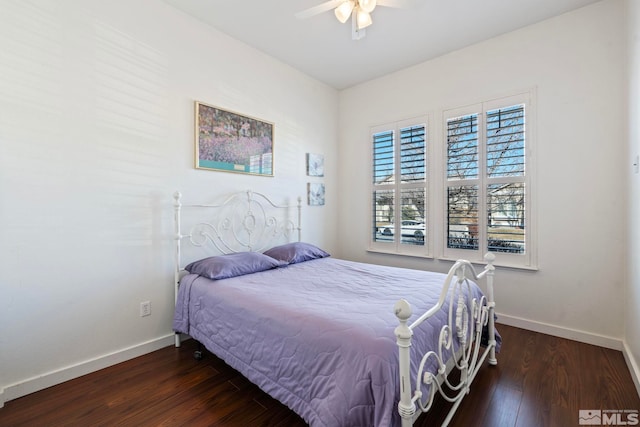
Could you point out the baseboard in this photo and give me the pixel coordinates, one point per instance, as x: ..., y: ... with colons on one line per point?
x: 41, y: 382
x: 558, y: 331
x: 632, y: 363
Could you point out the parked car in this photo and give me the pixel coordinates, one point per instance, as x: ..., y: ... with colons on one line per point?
x: 459, y: 231
x: 408, y: 228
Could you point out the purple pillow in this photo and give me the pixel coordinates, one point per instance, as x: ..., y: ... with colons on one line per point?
x: 296, y: 252
x: 232, y: 265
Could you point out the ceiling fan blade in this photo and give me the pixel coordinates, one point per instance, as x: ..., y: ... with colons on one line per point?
x: 316, y: 10
x: 399, y: 4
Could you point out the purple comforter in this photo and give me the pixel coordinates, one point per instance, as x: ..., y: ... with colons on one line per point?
x: 318, y: 335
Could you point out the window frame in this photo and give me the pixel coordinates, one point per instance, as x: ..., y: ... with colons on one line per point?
x: 396, y: 246
x: 528, y: 260
x: 436, y: 203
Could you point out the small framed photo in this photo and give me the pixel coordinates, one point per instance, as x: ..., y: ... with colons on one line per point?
x: 315, y: 164
x: 230, y: 142
x: 315, y: 194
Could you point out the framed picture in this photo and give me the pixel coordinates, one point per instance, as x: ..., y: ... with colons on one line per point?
x: 315, y: 194
x: 315, y: 164
x: 230, y: 142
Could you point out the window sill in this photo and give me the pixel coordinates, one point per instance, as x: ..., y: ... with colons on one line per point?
x: 413, y: 255
x: 497, y: 263
x: 475, y: 262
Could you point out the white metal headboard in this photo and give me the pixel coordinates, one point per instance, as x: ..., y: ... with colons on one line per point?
x: 245, y: 221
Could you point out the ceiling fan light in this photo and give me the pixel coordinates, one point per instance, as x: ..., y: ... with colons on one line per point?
x: 363, y: 19
x: 343, y: 12
x: 367, y: 5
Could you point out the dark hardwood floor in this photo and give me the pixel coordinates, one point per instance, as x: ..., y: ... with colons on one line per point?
x: 540, y: 380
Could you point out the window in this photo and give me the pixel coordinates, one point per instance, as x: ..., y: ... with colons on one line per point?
x: 399, y: 188
x: 487, y: 181
x: 477, y: 175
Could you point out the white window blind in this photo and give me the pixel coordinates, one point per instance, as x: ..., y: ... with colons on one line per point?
x: 487, y: 184
x: 399, y: 220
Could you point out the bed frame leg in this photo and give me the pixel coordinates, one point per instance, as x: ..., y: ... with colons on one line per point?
x: 492, y: 340
x: 406, y: 406
x: 492, y: 357
x: 489, y: 268
x: 199, y: 353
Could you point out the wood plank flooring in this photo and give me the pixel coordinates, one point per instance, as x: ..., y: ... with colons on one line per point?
x: 540, y: 380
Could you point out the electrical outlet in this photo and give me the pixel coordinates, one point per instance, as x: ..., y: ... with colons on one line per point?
x: 145, y: 308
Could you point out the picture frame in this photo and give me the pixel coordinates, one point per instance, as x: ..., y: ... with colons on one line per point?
x: 315, y: 164
x: 231, y: 142
x: 315, y: 194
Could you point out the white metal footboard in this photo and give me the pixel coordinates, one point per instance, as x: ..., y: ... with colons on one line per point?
x: 467, y: 317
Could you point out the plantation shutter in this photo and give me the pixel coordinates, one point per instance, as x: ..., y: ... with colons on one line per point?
x: 383, y: 158
x: 486, y: 180
x: 505, y: 142
x: 412, y: 154
x: 399, y: 208
x: 505, y: 179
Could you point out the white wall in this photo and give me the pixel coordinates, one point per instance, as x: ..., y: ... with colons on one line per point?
x: 632, y: 297
x: 576, y: 62
x: 96, y: 133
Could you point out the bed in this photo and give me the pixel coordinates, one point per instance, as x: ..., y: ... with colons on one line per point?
x: 335, y: 340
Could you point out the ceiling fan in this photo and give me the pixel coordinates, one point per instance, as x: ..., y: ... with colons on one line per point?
x: 358, y: 10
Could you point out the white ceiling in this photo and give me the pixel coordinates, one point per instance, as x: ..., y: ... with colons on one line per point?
x: 322, y: 47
